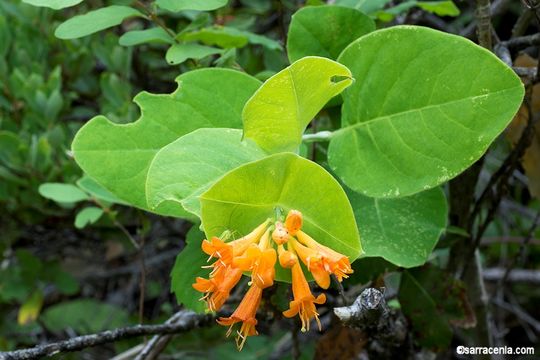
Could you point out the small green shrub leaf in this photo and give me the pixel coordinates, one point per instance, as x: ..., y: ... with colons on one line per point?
x: 201, y: 5
x: 62, y: 193
x: 153, y: 35
x: 87, y: 216
x: 94, y: 21
x: 440, y: 8
x: 53, y: 4
x: 178, y: 53
x: 278, y: 113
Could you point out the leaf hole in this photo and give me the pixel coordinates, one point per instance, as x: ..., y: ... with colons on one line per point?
x: 336, y: 79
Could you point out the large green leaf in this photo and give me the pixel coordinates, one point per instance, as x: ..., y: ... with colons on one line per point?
x: 341, y: 27
x: 187, y: 267
x: 185, y: 168
x: 94, y: 21
x: 425, y: 106
x: 278, y: 113
x: 248, y: 195
x: 118, y: 156
x: 403, y: 231
x: 53, y: 4
x: 202, y: 5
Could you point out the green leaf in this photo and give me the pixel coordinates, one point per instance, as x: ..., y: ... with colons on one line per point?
x: 84, y: 316
x: 97, y: 191
x: 420, y: 295
x: 62, y: 193
x: 64, y: 281
x: 440, y: 8
x: 424, y: 107
x: 185, y: 168
x: 29, y: 311
x: 87, y: 216
x: 248, y: 195
x: 53, y: 4
x: 118, y: 156
x: 228, y: 37
x: 10, y: 149
x: 178, y: 53
x: 217, y: 35
x: 179, y: 5
x: 403, y: 231
x: 341, y: 27
x: 187, y: 268
x: 153, y: 35
x: 94, y: 21
x: 366, y: 6
x: 278, y: 113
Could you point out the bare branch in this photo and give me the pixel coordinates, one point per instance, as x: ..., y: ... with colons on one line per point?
x: 190, y: 320
x: 516, y: 275
x: 370, y: 313
x: 522, y: 42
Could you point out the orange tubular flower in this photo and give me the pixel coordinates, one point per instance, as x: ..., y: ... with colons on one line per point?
x: 315, y: 264
x: 260, y: 260
x: 245, y: 313
x: 332, y: 261
x: 293, y: 222
x: 304, y: 301
x: 218, y: 287
x: 241, y: 245
x: 219, y: 249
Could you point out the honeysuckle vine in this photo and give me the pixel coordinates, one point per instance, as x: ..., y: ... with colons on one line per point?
x: 411, y: 108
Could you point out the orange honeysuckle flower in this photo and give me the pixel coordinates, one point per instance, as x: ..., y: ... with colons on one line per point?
x: 218, y: 287
x: 293, y: 222
x: 332, y: 261
x: 225, y: 252
x: 304, y: 301
x: 261, y: 264
x: 241, y: 245
x: 245, y: 313
x: 315, y: 264
x: 286, y: 258
x: 260, y: 260
x: 219, y: 249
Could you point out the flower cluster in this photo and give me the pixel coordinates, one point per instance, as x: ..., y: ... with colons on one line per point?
x: 256, y: 254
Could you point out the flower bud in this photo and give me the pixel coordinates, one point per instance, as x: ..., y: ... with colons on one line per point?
x: 287, y: 259
x: 293, y: 223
